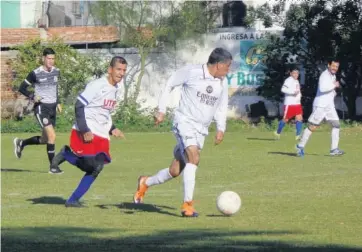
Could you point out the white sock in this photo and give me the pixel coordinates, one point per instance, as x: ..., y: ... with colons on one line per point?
x: 335, y: 138
x: 189, y: 175
x: 305, y: 137
x: 161, y: 177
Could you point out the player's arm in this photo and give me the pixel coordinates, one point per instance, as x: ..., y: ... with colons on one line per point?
x: 177, y: 79
x: 221, y: 114
x: 325, y: 84
x: 83, y: 100
x: 288, y: 87
x: 116, y: 132
x: 29, y: 81
x: 59, y: 105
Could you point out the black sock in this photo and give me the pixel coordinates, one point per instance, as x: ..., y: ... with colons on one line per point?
x: 51, y: 152
x: 31, y: 141
x: 58, y: 159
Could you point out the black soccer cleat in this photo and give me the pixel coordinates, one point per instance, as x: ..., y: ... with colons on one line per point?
x: 55, y: 170
x: 18, y: 147
x: 75, y: 204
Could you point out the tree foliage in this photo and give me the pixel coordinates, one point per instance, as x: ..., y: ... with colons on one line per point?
x: 316, y: 32
x: 146, y: 25
x: 75, y: 69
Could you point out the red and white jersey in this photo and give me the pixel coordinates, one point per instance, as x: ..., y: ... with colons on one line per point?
x: 326, y: 93
x: 100, y: 100
x: 289, y: 88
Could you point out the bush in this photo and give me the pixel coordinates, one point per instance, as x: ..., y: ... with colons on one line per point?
x: 75, y: 69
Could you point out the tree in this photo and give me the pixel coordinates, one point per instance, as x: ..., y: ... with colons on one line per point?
x: 75, y: 69
x: 145, y: 25
x: 315, y: 32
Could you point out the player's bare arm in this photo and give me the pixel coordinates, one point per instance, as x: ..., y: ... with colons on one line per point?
x: 219, y: 137
x: 118, y: 133
x: 159, y: 117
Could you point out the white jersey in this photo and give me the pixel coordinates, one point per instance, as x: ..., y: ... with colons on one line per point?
x: 203, y: 98
x: 325, y: 94
x: 289, y: 88
x: 100, y: 99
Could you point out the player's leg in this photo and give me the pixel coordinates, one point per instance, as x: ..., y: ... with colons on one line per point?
x: 93, y: 167
x: 333, y: 119
x: 282, y: 122
x: 20, y: 144
x: 298, y: 126
x: 189, y: 178
x: 314, y: 121
x: 164, y: 175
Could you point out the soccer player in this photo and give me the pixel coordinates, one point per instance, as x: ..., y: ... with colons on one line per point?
x: 204, y: 97
x: 323, y: 108
x: 89, y: 140
x: 44, y: 79
x: 292, y: 106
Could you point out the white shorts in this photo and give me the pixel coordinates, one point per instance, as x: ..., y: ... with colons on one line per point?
x: 319, y: 113
x: 186, y: 136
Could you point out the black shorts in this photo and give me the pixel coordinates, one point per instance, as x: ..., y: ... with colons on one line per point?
x: 45, y: 114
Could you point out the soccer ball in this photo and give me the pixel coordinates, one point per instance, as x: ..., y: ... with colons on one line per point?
x: 228, y: 203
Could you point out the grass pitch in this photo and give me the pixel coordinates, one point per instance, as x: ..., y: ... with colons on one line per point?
x: 289, y: 203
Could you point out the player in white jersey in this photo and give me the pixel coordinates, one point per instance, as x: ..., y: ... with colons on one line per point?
x: 89, y: 140
x: 323, y: 108
x: 44, y: 80
x: 292, y: 106
x: 204, y: 97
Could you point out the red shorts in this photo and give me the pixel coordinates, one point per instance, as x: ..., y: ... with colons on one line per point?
x: 291, y: 111
x: 97, y: 146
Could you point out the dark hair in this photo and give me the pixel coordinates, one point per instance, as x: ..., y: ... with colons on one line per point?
x: 48, y: 51
x: 293, y: 68
x: 330, y: 60
x: 118, y: 59
x: 219, y: 55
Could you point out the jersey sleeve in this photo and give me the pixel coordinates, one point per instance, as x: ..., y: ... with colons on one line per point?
x: 177, y: 79
x: 90, y: 92
x: 222, y: 108
x: 325, y: 84
x: 289, y: 87
x: 29, y: 81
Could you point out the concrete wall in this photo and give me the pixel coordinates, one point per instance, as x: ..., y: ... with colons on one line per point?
x: 246, y: 73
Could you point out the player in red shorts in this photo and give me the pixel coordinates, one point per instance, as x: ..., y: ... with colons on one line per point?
x: 292, y: 106
x: 89, y: 140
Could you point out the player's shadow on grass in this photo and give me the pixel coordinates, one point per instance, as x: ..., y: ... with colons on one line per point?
x: 17, y: 170
x: 131, y: 208
x: 291, y: 154
x: 48, y: 200
x: 260, y: 139
x: 184, y: 239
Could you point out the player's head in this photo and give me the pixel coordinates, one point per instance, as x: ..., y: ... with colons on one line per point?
x: 333, y: 65
x: 117, y: 69
x: 219, y: 62
x: 294, y: 72
x: 48, y: 58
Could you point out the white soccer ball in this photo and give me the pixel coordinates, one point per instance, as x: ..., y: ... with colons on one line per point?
x: 228, y: 203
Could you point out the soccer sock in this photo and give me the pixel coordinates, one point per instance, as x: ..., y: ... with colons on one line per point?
x: 82, y: 188
x: 161, y: 177
x: 299, y: 127
x: 305, y: 137
x: 58, y: 159
x: 31, y: 141
x: 280, y: 126
x: 335, y: 138
x: 50, y: 151
x: 189, y: 181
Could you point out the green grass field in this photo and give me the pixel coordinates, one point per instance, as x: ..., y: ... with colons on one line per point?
x: 289, y: 204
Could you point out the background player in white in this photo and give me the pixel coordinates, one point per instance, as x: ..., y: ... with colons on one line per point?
x: 44, y: 80
x: 204, y: 97
x: 89, y: 140
x: 323, y: 108
x: 292, y: 106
